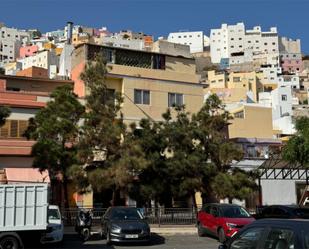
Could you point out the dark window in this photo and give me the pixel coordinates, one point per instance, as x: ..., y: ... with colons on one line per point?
x: 158, y: 61
x: 249, y: 239
x: 284, y: 97
x: 214, y: 211
x: 175, y: 99
x: 280, y: 238
x: 141, y: 96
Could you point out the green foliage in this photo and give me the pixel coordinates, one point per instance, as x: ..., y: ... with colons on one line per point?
x: 2, y: 70
x: 296, y: 151
x: 55, y: 129
x: 235, y: 184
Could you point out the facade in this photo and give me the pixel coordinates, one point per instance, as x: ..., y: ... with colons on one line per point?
x: 250, y: 121
x: 291, y: 62
x: 10, y: 42
x: 149, y: 82
x: 35, y: 72
x: 239, y: 45
x: 27, y: 51
x: 194, y: 39
x: 45, y: 59
x: 166, y: 47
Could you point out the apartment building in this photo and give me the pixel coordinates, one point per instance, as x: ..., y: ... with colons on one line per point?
x: 45, y: 59
x: 196, y: 40
x: 27, y: 51
x: 238, y: 45
x: 10, y: 42
x: 235, y: 86
x: 149, y: 82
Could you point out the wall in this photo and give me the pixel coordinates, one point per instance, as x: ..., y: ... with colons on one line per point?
x: 180, y: 65
x: 28, y: 51
x: 194, y: 39
x: 35, y: 72
x: 278, y: 192
x: 193, y: 97
x: 257, y: 123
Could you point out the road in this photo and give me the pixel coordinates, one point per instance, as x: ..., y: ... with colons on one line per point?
x: 177, y: 241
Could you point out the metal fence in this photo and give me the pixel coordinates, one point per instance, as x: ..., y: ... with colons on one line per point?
x: 159, y: 216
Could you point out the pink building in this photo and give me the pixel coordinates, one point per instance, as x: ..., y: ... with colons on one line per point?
x: 292, y: 63
x: 28, y: 51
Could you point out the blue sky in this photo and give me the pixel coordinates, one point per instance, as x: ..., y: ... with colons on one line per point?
x: 159, y: 17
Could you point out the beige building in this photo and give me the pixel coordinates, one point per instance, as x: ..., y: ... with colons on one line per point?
x: 149, y: 82
x: 235, y: 86
x: 251, y: 121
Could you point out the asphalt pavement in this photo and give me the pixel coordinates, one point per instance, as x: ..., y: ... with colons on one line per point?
x: 164, y: 241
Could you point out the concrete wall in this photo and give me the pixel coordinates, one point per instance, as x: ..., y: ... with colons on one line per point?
x: 257, y: 123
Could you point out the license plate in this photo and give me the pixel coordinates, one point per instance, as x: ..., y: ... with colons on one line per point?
x: 131, y: 236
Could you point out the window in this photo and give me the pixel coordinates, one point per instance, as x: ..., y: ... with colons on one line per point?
x: 236, y: 79
x: 141, y: 96
x: 284, y: 97
x: 280, y: 238
x: 240, y: 39
x: 232, y: 39
x: 13, y: 128
x: 239, y: 114
x: 175, y: 99
x: 249, y: 239
x: 214, y: 211
x: 265, y: 43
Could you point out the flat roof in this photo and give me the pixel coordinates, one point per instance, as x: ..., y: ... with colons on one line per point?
x: 135, y: 50
x: 35, y: 79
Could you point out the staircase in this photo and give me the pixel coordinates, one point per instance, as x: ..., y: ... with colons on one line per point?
x: 304, y: 200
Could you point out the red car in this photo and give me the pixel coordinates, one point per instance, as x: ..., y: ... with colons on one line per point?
x: 222, y: 220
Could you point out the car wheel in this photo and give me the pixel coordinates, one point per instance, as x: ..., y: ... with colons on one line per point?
x: 108, y: 238
x: 221, y: 235
x: 200, y: 231
x: 9, y: 243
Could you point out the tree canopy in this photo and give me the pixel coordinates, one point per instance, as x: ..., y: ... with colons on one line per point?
x: 55, y: 129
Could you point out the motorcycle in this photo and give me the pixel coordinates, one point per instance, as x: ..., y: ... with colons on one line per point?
x: 83, y: 224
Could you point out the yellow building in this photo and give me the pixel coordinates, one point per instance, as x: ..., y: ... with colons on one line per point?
x: 251, y: 121
x: 149, y: 82
x: 235, y: 87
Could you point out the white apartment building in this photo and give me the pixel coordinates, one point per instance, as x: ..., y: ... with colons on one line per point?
x: 281, y: 101
x: 10, y: 41
x: 239, y: 45
x: 46, y: 59
x: 194, y: 39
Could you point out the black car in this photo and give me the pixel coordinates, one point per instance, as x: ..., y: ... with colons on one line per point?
x: 283, y: 212
x: 272, y: 234
x: 124, y: 224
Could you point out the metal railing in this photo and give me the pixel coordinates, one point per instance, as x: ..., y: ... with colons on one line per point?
x: 159, y: 216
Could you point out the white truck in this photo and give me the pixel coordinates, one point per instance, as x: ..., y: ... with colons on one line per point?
x: 24, y: 212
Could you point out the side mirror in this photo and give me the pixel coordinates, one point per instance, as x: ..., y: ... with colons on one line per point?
x: 222, y: 247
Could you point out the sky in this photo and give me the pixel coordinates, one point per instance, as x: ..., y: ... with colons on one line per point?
x: 160, y: 17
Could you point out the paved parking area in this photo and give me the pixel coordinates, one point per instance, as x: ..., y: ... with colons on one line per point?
x: 177, y: 241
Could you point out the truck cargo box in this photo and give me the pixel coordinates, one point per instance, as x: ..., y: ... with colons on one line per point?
x: 23, y: 207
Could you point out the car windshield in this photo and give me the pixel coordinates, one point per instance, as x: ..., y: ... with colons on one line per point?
x: 302, y: 213
x: 53, y: 214
x: 235, y: 212
x: 125, y: 214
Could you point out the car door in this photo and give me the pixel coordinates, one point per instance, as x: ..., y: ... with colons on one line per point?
x: 250, y: 238
x: 204, y: 216
x: 281, y: 237
x: 213, y: 219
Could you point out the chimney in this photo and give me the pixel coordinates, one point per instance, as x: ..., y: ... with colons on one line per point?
x: 69, y: 32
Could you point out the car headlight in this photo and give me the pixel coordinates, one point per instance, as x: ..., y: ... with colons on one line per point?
x: 231, y: 225
x: 115, y: 229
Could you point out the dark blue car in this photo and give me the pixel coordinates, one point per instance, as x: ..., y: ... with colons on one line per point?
x: 271, y: 234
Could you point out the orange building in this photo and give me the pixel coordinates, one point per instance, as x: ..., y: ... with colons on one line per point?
x: 36, y: 72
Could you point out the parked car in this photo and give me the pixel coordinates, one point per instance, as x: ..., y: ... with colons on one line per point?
x: 124, y: 224
x: 54, y: 232
x: 222, y: 220
x: 283, y: 212
x: 271, y: 233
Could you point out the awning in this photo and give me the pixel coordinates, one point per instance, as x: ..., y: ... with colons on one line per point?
x: 26, y: 175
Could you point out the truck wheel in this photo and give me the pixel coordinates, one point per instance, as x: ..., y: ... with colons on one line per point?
x: 221, y: 235
x: 9, y: 243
